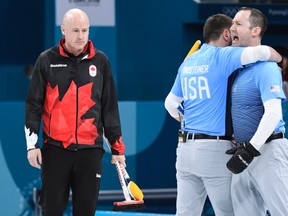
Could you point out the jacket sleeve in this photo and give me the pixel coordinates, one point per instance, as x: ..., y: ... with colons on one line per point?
x: 34, y: 104
x: 110, y: 112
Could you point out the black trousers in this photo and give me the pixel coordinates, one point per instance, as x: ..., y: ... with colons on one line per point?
x: 63, y: 170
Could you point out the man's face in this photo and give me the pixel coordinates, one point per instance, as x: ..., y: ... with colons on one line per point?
x: 76, y: 32
x: 241, y: 29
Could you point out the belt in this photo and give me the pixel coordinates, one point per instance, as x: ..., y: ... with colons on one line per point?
x: 205, y: 136
x: 275, y: 136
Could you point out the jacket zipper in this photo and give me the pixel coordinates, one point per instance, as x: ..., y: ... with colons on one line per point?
x: 49, y: 130
x: 76, y: 130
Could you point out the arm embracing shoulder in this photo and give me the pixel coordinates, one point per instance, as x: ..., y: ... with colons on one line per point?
x: 259, y: 53
x: 171, y: 104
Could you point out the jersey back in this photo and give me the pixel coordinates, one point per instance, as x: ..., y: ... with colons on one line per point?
x: 202, y: 81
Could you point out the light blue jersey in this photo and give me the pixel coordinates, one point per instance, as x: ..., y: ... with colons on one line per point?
x: 202, y: 81
x: 252, y: 87
x: 264, y: 183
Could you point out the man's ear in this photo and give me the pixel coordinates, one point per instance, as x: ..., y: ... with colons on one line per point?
x: 256, y: 31
x: 62, y: 30
x: 226, y: 35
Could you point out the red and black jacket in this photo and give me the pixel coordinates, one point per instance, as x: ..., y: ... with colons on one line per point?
x: 76, y: 99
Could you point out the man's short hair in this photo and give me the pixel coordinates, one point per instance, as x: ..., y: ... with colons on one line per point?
x: 214, y: 27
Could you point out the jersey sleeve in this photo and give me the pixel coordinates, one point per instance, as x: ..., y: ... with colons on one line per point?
x: 269, y: 81
x: 176, y: 88
x: 230, y: 59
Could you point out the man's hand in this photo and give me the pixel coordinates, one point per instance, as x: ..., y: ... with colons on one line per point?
x: 242, y: 158
x: 120, y: 158
x: 233, y: 150
x: 235, y: 147
x: 281, y: 63
x: 35, y: 157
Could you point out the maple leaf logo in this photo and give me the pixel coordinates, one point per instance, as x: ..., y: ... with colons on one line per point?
x: 61, y: 118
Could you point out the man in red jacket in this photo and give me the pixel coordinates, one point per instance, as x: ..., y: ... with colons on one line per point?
x: 72, y: 90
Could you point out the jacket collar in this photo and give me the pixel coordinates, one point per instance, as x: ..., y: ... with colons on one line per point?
x: 88, y: 48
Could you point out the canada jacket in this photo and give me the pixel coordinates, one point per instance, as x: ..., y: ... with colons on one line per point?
x: 76, y: 99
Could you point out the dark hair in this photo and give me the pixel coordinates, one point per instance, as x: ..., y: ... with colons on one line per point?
x: 214, y: 27
x: 257, y: 19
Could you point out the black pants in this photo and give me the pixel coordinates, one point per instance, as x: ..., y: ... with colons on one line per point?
x: 63, y: 170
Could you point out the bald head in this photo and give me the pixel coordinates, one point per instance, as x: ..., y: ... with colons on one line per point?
x: 75, y: 29
x: 74, y: 14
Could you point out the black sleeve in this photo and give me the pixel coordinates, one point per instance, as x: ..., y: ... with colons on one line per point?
x: 110, y: 111
x: 35, y: 97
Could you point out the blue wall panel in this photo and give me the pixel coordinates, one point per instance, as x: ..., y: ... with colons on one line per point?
x: 151, y: 45
x: 22, y: 35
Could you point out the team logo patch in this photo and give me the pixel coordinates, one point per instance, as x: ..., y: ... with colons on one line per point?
x: 92, y: 70
x: 275, y: 88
